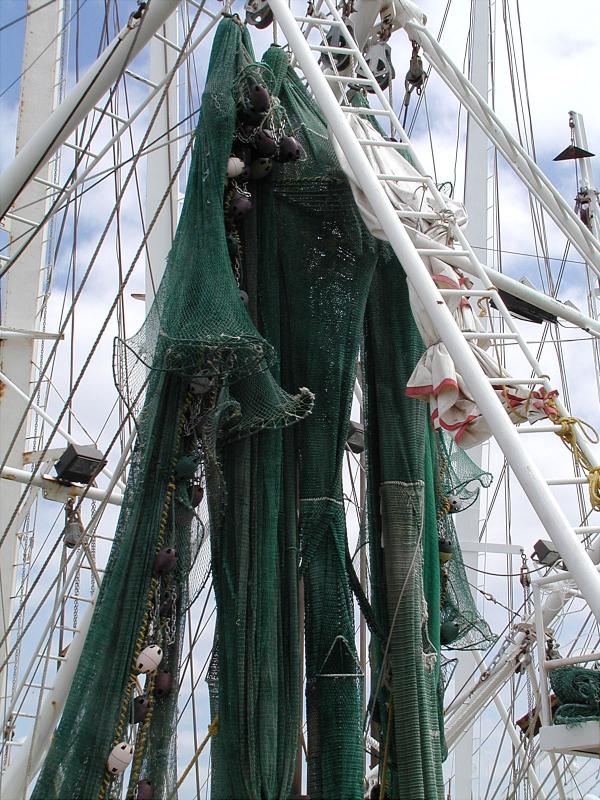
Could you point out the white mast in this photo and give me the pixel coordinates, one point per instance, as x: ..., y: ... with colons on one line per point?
x: 161, y: 162
x: 24, y: 290
x: 476, y: 203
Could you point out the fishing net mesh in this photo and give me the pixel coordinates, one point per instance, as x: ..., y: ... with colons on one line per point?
x: 578, y: 693
x: 460, y: 479
x: 218, y: 385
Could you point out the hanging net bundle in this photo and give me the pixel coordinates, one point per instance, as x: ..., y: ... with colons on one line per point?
x: 273, y: 284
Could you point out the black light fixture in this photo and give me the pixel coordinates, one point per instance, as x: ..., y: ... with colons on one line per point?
x: 80, y: 463
x: 544, y: 553
x: 356, y: 437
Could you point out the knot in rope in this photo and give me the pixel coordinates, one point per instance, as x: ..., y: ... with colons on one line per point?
x: 568, y: 434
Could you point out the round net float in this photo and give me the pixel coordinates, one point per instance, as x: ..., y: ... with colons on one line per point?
x: 445, y: 548
x: 165, y: 560
x: 289, y: 149
x: 455, y: 504
x: 141, y: 706
x: 149, y: 659
x: 186, y: 467
x: 163, y: 684
x: 120, y: 758
x: 144, y: 790
x: 240, y: 206
x: 449, y: 632
x: 264, y: 144
x: 261, y: 168
x: 235, y: 167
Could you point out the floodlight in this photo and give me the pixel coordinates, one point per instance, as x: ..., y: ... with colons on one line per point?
x: 544, y: 553
x: 80, y: 463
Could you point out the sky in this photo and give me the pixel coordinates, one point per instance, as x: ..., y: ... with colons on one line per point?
x: 560, y: 54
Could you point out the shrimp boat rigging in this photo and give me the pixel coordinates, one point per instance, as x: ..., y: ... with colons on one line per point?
x: 171, y: 478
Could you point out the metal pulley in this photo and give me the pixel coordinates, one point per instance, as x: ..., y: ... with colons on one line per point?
x: 378, y: 56
x: 335, y: 38
x: 73, y: 532
x: 258, y: 13
x: 415, y: 77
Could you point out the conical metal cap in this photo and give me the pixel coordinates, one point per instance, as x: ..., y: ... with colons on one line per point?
x: 571, y: 152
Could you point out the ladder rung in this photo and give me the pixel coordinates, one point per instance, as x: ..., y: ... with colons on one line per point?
x: 384, y: 143
x: 466, y: 292
x: 490, y: 335
x: 323, y: 48
x: 140, y: 78
x: 384, y: 176
x: 317, y: 21
x: 433, y: 251
x: 79, y: 598
x: 52, y: 658
x: 508, y: 381
x: 539, y: 429
x: 377, y: 112
x: 350, y: 79
x: 120, y: 120
x: 418, y: 214
x: 587, y: 529
x: 567, y: 481
x: 80, y: 149
x: 23, y: 714
x: 168, y: 42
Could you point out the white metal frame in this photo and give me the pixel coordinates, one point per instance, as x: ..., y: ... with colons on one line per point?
x: 545, y: 505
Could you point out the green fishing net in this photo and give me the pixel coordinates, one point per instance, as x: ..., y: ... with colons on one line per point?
x: 460, y: 479
x: 203, y: 370
x: 404, y: 561
x: 578, y: 692
x: 219, y: 386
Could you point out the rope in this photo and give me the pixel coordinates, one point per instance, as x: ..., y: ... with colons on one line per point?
x: 212, y: 730
x: 386, y: 751
x: 568, y: 435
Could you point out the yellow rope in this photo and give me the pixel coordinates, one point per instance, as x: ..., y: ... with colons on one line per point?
x: 140, y: 641
x: 212, y: 729
x: 568, y: 435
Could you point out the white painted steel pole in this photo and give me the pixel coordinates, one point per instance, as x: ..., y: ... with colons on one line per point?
x: 160, y: 164
x: 79, y: 102
x: 50, y: 485
x: 476, y: 203
x: 588, y: 189
x: 22, y: 294
x: 547, y: 508
x: 26, y: 760
x: 587, y: 174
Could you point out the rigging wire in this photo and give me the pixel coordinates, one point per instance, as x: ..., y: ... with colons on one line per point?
x: 80, y: 289
x: 27, y: 15
x: 37, y: 58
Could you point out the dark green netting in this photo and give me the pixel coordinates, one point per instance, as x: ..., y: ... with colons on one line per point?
x: 198, y: 326
x: 275, y: 494
x: 315, y: 264
x: 404, y: 561
x: 460, y: 479
x: 578, y: 692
